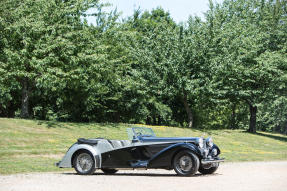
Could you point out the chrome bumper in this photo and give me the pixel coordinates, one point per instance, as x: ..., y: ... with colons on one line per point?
x: 210, y: 161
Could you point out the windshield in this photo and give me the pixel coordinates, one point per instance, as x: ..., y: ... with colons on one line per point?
x: 136, y: 132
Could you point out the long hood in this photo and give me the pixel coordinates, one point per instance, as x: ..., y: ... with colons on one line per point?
x: 169, y: 139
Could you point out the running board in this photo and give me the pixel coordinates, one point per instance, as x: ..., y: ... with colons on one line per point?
x: 139, y: 164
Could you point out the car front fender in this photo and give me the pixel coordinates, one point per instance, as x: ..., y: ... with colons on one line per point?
x: 164, y: 157
x: 66, y: 162
x: 216, y: 147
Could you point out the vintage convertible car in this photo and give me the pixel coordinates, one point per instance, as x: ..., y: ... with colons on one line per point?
x: 186, y: 155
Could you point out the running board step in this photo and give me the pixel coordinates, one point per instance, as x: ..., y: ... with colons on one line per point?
x: 139, y: 164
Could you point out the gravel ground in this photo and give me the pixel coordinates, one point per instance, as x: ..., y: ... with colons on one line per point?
x: 242, y: 176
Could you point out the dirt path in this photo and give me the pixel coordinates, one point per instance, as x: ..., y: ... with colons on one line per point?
x: 230, y: 176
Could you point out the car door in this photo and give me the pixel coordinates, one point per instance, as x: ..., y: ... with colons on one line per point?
x: 124, y: 157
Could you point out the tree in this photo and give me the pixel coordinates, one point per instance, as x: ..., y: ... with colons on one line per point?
x: 151, y: 33
x: 172, y: 59
x: 245, y: 33
x: 145, y: 69
x: 41, y: 40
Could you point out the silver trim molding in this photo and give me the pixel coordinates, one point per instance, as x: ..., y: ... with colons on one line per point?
x: 209, y: 161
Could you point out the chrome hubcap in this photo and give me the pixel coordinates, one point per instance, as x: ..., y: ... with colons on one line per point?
x: 84, y: 162
x: 185, y: 163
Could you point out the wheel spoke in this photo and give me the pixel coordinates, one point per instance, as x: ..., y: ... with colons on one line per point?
x: 84, y: 162
x: 185, y: 163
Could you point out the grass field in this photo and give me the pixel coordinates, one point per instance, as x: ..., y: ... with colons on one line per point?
x: 34, y: 146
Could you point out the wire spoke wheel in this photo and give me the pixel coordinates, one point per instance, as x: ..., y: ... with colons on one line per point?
x: 84, y: 163
x: 185, y: 163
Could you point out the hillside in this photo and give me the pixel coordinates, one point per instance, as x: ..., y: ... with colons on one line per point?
x: 33, y: 146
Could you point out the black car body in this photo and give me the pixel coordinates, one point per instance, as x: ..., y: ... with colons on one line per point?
x: 186, y: 155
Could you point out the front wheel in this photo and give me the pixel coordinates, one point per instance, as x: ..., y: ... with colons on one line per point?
x: 208, y: 170
x: 185, y: 163
x: 109, y: 170
x: 84, y: 163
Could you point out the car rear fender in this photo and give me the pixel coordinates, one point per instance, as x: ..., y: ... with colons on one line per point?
x: 66, y: 162
x: 164, y: 157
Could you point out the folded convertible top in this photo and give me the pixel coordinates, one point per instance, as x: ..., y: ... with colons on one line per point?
x: 87, y: 141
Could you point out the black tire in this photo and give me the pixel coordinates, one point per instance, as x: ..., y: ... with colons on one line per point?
x: 210, y: 170
x: 180, y: 166
x: 91, y: 163
x: 109, y: 170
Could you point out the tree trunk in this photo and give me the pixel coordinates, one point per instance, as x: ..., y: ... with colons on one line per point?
x: 158, y: 120
x: 188, y: 110
x: 117, y: 117
x: 154, y: 120
x: 11, y: 110
x: 25, y: 100
x: 233, y: 116
x: 148, y: 120
x: 252, y: 122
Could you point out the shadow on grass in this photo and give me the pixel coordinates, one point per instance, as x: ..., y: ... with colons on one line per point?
x: 279, y: 138
x: 93, y: 125
x: 143, y: 174
x: 52, y: 124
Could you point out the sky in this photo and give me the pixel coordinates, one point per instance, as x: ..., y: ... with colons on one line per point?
x: 179, y: 10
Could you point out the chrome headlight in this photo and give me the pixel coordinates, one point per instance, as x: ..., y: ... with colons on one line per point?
x: 200, y: 142
x: 214, y: 152
x: 209, y: 142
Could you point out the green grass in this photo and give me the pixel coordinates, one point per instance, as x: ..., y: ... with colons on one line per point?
x: 34, y: 146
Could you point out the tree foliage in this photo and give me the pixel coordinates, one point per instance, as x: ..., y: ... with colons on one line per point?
x: 228, y: 70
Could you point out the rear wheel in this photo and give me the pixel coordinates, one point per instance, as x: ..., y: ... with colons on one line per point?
x: 109, y: 170
x: 185, y: 163
x: 84, y: 163
x: 208, y: 169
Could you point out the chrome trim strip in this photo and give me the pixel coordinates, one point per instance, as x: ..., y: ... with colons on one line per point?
x: 209, y: 161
